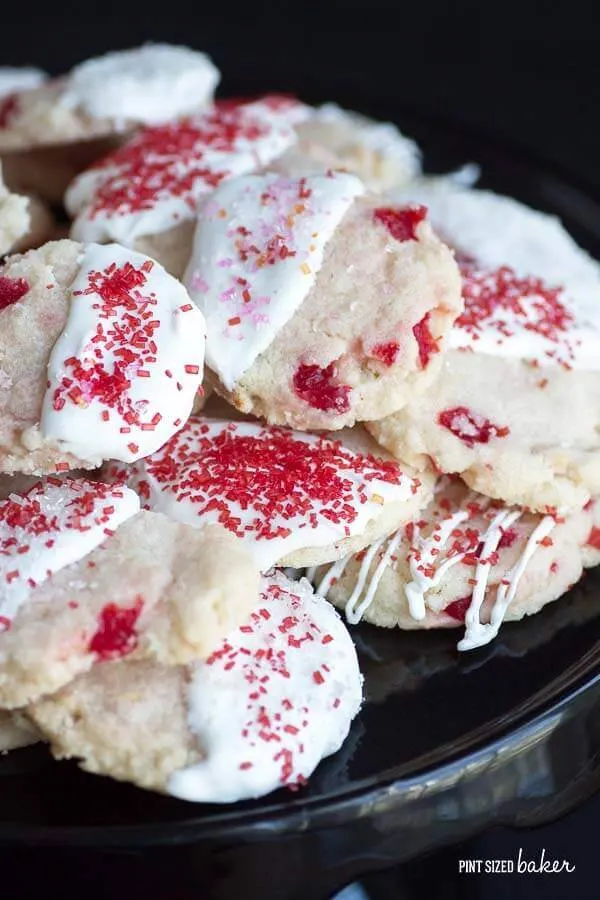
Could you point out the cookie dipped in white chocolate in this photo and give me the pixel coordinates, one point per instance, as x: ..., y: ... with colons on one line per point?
x: 293, y: 498
x: 123, y: 374
x: 257, y: 251
x: 274, y: 699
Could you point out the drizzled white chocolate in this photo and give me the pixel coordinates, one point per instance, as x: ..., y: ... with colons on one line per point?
x: 148, y: 84
x: 530, y: 291
x: 54, y: 524
x: 257, y: 251
x: 162, y: 176
x: 273, y: 700
x: 452, y: 539
x: 278, y: 490
x: 123, y: 375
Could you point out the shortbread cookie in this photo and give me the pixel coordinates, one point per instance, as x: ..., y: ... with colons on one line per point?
x: 86, y: 578
x: 16, y: 729
x: 25, y: 222
x: 293, y: 498
x: 334, y: 138
x: 323, y: 307
x: 465, y: 559
x: 516, y: 407
x: 49, y: 134
x: 276, y: 697
x: 101, y: 355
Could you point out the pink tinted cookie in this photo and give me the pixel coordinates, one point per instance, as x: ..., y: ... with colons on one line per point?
x: 465, y: 560
x: 323, y: 306
x: 276, y: 697
x: 292, y: 498
x: 516, y: 407
x: 101, y: 356
x: 85, y: 577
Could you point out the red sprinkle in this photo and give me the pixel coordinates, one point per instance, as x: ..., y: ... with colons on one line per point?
x: 314, y: 385
x: 469, y: 427
x: 508, y: 538
x: 116, y: 635
x: 11, y: 290
x: 401, y: 222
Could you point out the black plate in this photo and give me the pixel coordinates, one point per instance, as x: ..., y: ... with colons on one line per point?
x: 445, y: 743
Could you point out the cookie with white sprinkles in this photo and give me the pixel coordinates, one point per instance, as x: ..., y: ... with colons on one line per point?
x: 323, y: 306
x: 101, y: 356
x: 293, y: 498
x: 274, y: 698
x: 516, y: 408
x: 466, y: 559
x: 86, y: 577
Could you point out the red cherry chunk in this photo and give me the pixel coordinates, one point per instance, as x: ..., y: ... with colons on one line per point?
x: 401, y: 222
x: 469, y: 427
x: 315, y: 386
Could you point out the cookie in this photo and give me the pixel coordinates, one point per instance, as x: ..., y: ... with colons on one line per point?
x: 466, y: 559
x: 101, y: 355
x: 50, y: 133
x: 516, y: 408
x: 293, y: 498
x: 276, y: 697
x: 16, y: 729
x: 85, y: 577
x: 323, y: 307
x: 334, y: 138
x: 25, y: 222
x: 147, y: 194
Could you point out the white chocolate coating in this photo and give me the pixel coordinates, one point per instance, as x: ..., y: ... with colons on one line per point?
x: 54, y: 524
x: 277, y: 697
x: 148, y: 84
x: 14, y: 79
x: 125, y: 371
x: 257, y: 251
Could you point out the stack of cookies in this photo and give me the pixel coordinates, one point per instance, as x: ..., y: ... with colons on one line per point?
x: 266, y: 369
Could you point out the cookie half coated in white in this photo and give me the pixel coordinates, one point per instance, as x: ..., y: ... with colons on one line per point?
x: 101, y: 356
x: 85, y: 577
x: 465, y: 560
x: 516, y: 407
x: 292, y: 498
x: 323, y: 306
x: 260, y: 713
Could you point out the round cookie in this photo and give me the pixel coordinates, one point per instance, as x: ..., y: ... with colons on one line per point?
x: 467, y: 560
x: 101, y: 355
x: 85, y: 577
x: 293, y: 498
x: 334, y: 138
x: 276, y: 697
x: 323, y: 306
x: 515, y: 409
x: 80, y: 114
x: 147, y: 193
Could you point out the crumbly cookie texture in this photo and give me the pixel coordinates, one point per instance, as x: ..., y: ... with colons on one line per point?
x: 334, y: 138
x: 60, y: 409
x: 466, y: 559
x: 513, y: 431
x: 155, y: 589
x: 274, y: 698
x: 124, y: 719
x: 370, y: 333
x: 16, y: 730
x: 24, y: 221
x: 292, y: 498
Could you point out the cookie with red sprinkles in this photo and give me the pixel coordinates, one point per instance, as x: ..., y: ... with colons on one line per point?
x: 86, y: 578
x: 293, y: 498
x: 516, y: 407
x: 101, y: 356
x: 274, y: 698
x: 324, y: 306
x: 465, y: 561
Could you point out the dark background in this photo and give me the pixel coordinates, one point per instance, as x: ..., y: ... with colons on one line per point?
x: 525, y: 73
